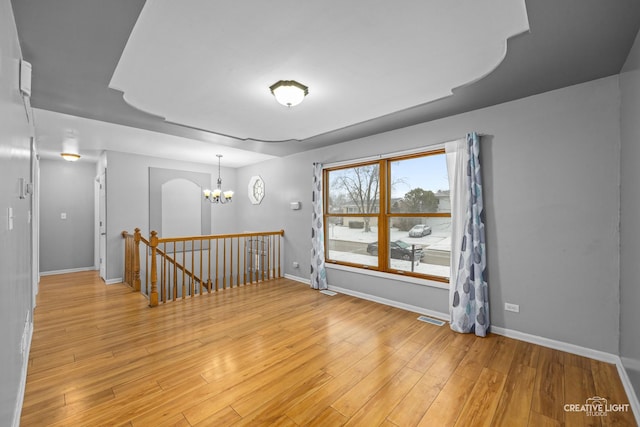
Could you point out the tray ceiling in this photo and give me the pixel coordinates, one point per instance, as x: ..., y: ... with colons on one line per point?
x: 200, y: 71
x: 209, y: 65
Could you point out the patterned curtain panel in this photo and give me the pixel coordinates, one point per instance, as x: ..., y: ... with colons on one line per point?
x: 318, y: 273
x: 469, y: 293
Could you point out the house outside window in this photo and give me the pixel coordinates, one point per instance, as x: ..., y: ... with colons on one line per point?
x: 391, y: 215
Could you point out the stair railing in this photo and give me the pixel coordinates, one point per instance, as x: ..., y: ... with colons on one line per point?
x: 176, y: 268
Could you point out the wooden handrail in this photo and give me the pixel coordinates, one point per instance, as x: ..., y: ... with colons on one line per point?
x: 164, y: 255
x: 257, y: 253
x: 177, y: 264
x: 219, y: 236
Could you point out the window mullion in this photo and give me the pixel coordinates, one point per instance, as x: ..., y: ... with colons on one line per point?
x: 325, y: 205
x: 383, y: 218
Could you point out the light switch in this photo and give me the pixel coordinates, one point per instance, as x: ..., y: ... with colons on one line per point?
x: 63, y: 215
x: 10, y: 218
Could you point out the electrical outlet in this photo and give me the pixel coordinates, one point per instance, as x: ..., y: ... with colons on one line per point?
x: 512, y: 307
x: 295, y: 264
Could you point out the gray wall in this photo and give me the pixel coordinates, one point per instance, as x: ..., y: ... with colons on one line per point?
x: 128, y: 200
x: 15, y: 245
x: 551, y: 175
x: 67, y: 187
x: 629, y: 216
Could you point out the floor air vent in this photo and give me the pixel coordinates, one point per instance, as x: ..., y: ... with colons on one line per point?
x: 431, y: 320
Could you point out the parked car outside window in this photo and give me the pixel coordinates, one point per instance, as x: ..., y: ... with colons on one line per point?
x: 398, y: 249
x: 420, y: 230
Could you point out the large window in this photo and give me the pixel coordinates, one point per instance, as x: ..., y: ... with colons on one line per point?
x: 391, y: 215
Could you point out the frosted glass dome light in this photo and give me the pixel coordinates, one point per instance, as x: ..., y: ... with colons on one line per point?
x: 289, y: 92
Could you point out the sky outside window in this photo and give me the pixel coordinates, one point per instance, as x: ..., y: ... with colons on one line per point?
x: 427, y: 172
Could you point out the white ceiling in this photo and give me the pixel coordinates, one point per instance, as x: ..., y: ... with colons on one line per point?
x: 201, y: 69
x: 209, y: 65
x: 57, y: 132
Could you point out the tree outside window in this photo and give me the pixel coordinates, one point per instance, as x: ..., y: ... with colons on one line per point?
x: 392, y: 215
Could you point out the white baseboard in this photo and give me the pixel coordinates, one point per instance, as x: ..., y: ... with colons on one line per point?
x: 70, y: 270
x: 628, y: 387
x: 629, y: 363
x: 396, y: 304
x: 23, y: 378
x: 557, y: 345
x: 298, y: 279
x: 520, y: 336
x: 384, y: 301
x: 580, y: 351
x: 77, y: 270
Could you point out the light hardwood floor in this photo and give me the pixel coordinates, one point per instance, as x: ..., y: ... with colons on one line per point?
x: 279, y: 353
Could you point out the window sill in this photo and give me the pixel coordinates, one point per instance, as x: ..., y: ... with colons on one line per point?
x: 390, y: 276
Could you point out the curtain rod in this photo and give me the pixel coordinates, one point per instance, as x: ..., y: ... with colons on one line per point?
x: 435, y: 146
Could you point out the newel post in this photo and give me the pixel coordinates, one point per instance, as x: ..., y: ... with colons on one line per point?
x: 153, y: 244
x: 136, y: 261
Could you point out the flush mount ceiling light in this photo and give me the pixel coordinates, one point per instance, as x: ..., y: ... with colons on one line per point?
x: 70, y: 157
x: 289, y: 92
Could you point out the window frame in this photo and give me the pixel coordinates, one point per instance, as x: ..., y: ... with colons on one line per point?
x: 384, y: 214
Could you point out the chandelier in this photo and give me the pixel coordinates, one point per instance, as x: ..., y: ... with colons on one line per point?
x: 289, y: 92
x: 217, y: 195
